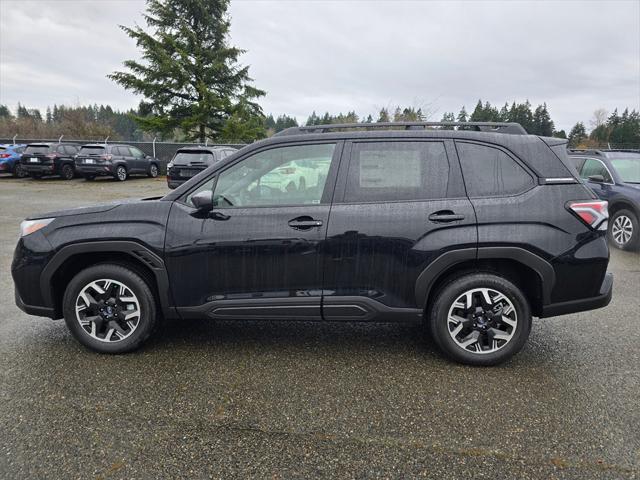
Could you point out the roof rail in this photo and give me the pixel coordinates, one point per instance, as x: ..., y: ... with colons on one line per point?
x: 494, y: 127
x: 590, y: 151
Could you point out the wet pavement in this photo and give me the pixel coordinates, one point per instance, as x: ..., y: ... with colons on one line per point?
x: 207, y: 399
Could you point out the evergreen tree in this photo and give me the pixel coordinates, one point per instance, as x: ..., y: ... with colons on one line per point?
x: 560, y: 134
x: 190, y: 78
x: 5, y: 112
x: 383, y: 116
x: 577, y: 135
x: 462, y: 115
x: 542, y: 123
x: 448, y: 117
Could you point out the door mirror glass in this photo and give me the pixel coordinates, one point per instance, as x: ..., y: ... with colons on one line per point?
x: 203, y: 201
x: 596, y: 178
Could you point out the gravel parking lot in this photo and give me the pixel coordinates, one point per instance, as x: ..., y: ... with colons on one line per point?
x: 287, y: 400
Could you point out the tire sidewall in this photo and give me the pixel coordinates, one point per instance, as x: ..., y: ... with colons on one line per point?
x: 634, y: 241
x: 151, y: 170
x: 439, y: 311
x: 64, y: 172
x: 148, y: 318
x: 118, y: 169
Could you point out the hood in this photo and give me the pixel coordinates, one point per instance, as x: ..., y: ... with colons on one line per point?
x: 103, y: 207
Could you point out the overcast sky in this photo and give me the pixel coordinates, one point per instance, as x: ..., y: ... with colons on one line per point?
x: 351, y: 55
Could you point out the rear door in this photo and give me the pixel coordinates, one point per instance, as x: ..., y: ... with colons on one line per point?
x: 139, y: 159
x: 398, y: 206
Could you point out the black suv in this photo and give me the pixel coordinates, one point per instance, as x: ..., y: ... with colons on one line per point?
x: 474, y: 232
x: 189, y: 161
x: 117, y: 161
x: 614, y: 176
x: 40, y: 159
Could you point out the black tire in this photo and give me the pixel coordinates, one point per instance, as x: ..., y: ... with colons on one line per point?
x: 19, y: 171
x: 121, y: 173
x: 154, y: 171
x: 89, y: 178
x: 67, y: 172
x: 619, y: 225
x: 147, y: 321
x: 453, y: 290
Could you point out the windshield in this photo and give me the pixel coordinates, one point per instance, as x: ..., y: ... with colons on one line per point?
x: 627, y: 168
x: 193, y: 157
x: 91, y: 151
x: 37, y: 149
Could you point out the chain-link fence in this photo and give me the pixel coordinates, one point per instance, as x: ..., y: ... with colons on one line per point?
x: 163, y: 151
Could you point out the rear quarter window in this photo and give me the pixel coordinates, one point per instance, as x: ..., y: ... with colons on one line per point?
x: 490, y: 172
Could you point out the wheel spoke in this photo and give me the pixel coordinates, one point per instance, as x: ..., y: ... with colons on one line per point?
x: 470, y: 339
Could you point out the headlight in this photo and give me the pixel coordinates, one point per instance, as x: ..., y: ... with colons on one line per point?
x: 31, y: 226
x: 169, y: 166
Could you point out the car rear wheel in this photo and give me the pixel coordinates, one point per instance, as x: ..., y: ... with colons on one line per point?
x: 121, y: 173
x: 624, y: 230
x: 67, y: 172
x: 153, y: 170
x: 480, y: 319
x: 109, y: 308
x: 19, y: 171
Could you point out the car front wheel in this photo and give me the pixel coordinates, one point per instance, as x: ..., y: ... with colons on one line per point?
x: 67, y: 172
x: 480, y: 319
x: 153, y: 170
x: 109, y: 308
x: 624, y: 230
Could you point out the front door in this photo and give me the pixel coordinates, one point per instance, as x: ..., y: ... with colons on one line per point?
x: 398, y: 206
x: 256, y: 254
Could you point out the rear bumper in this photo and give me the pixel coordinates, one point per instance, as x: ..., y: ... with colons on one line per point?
x: 43, y: 169
x: 98, y: 169
x: 583, y: 304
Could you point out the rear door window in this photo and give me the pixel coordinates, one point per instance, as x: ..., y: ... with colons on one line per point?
x: 397, y: 171
x: 490, y: 172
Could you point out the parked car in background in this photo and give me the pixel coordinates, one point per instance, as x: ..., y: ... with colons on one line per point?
x: 10, y: 160
x: 472, y: 232
x: 614, y: 175
x: 40, y: 159
x: 115, y: 160
x: 189, y: 161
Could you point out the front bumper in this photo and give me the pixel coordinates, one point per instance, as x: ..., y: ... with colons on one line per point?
x: 36, y: 310
x: 583, y: 304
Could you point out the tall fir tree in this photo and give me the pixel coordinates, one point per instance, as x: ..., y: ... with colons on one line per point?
x: 190, y: 77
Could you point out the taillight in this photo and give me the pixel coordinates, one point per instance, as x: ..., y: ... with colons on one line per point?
x: 593, y: 213
x: 5, y: 155
x: 51, y: 156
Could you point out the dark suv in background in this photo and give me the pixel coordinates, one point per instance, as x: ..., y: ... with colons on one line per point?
x: 40, y: 159
x: 189, y: 161
x: 117, y: 161
x: 614, y: 175
x: 472, y: 232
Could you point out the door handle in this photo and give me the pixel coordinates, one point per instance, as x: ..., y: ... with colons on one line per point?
x: 304, y: 223
x: 445, y: 216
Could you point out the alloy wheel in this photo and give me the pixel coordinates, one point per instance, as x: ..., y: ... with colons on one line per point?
x: 153, y: 170
x: 121, y: 172
x: 482, y: 320
x: 108, y: 310
x: 622, y: 229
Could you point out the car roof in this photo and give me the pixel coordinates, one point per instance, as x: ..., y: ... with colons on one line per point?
x: 608, y: 153
x: 200, y: 148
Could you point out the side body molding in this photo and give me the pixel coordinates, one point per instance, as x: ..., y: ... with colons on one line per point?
x: 444, y: 262
x: 135, y: 250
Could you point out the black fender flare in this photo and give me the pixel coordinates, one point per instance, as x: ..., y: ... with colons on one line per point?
x: 429, y: 276
x: 137, y: 251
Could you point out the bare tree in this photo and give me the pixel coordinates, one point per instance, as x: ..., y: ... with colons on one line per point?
x: 599, y: 118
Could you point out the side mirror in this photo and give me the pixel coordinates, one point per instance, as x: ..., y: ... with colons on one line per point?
x: 596, y: 178
x: 203, y: 201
